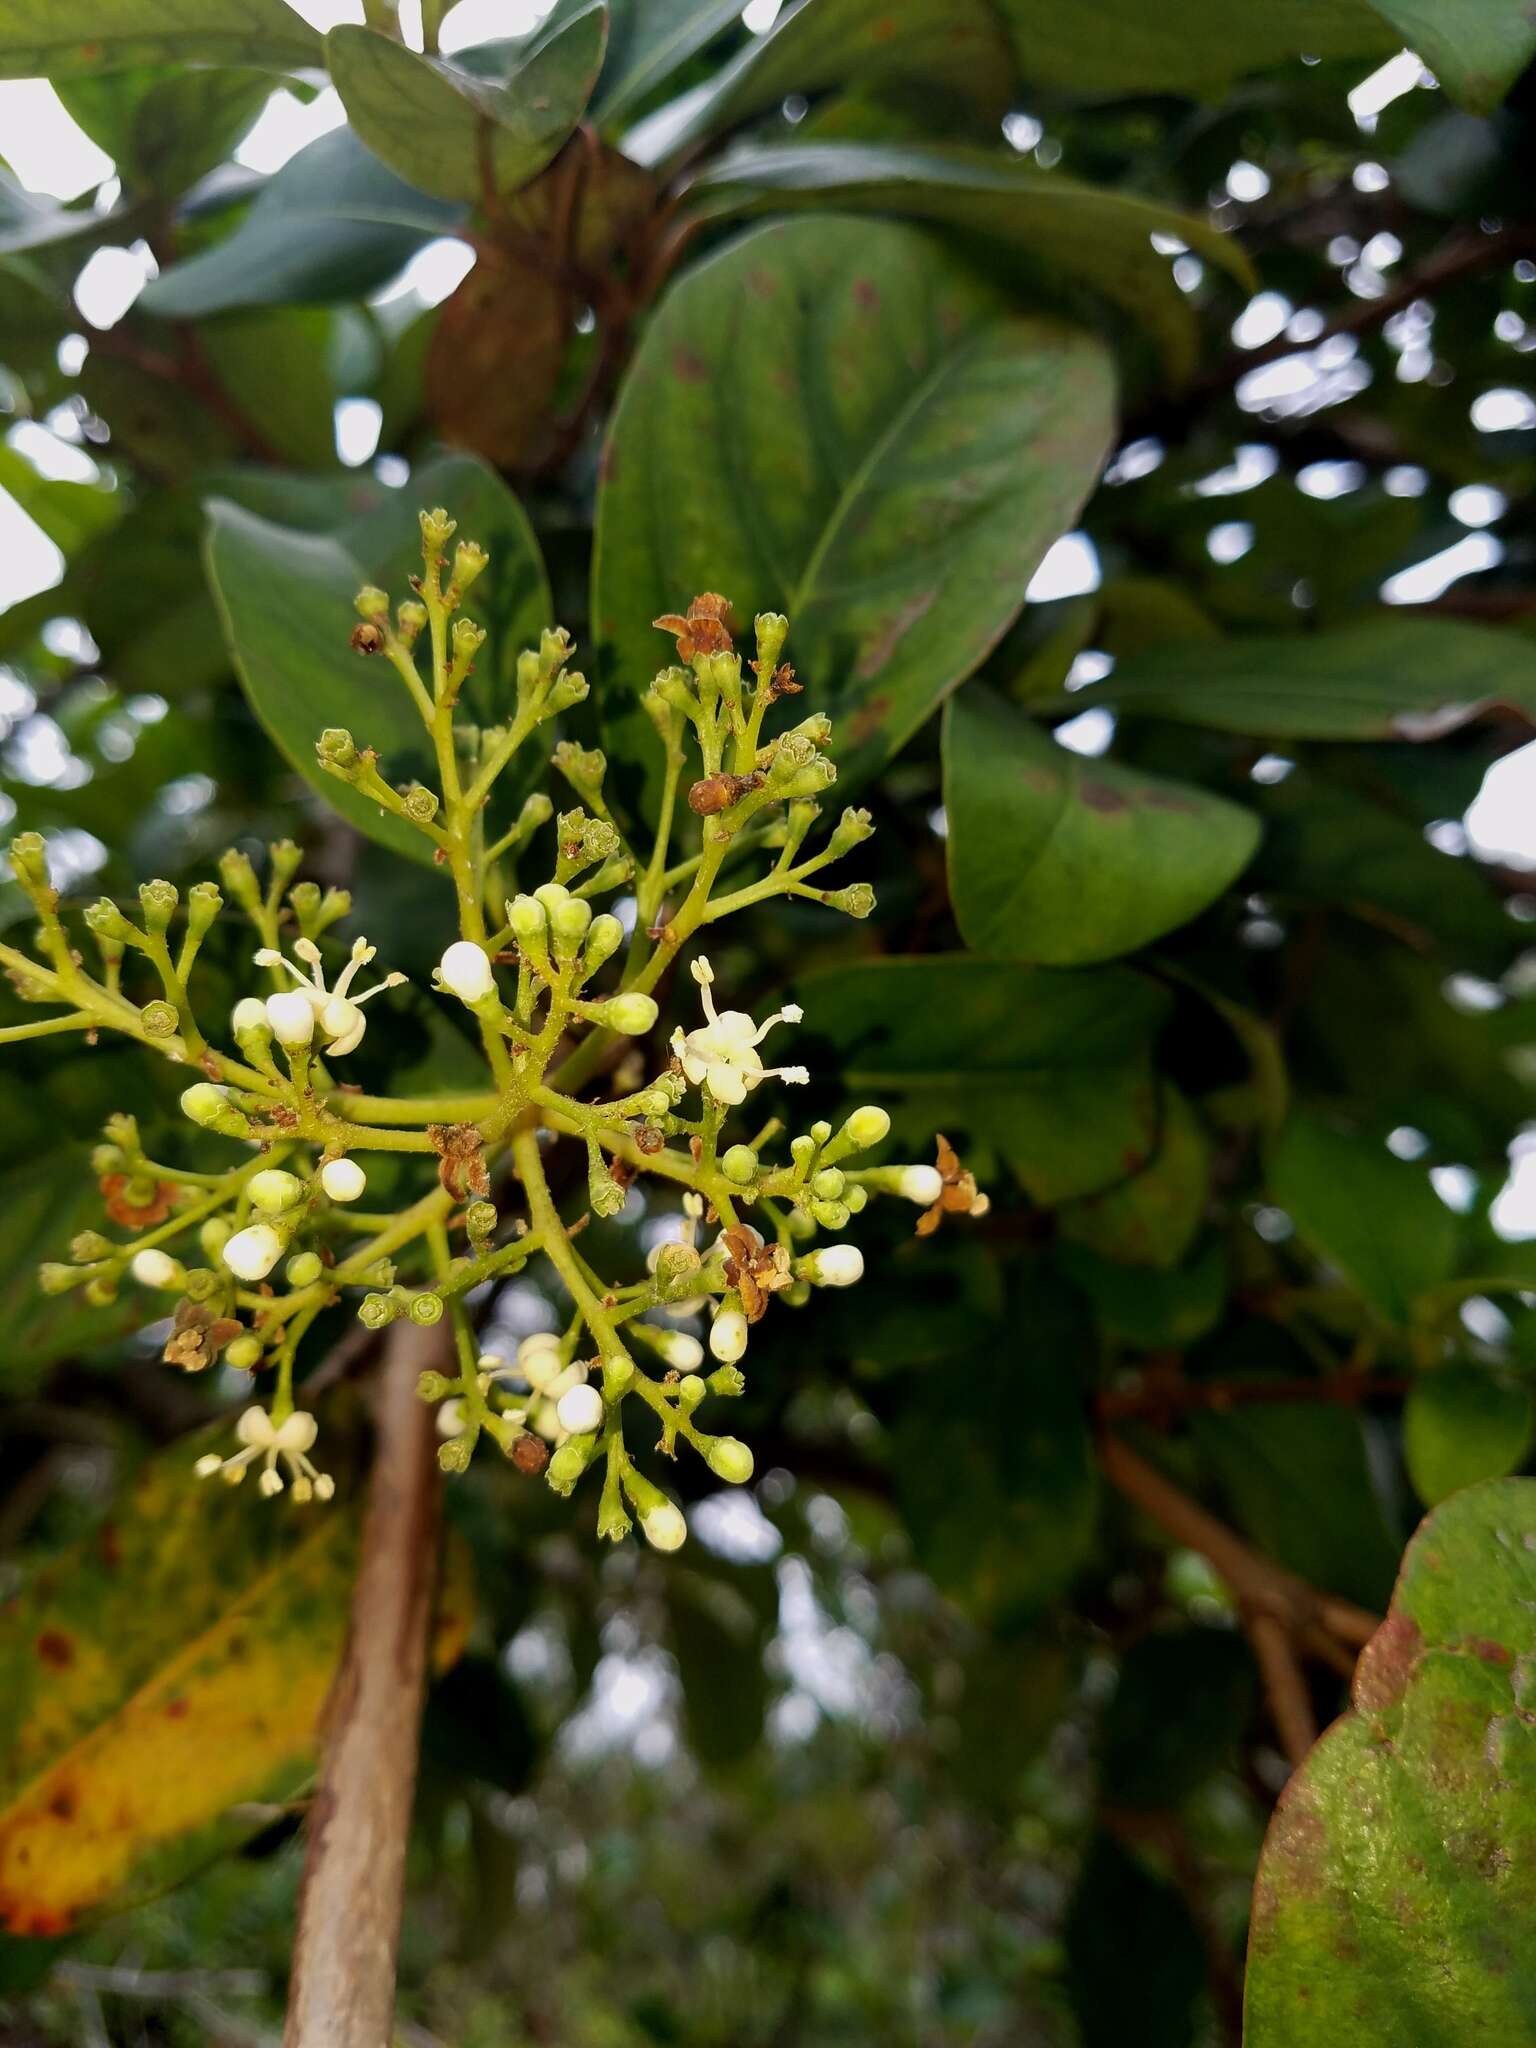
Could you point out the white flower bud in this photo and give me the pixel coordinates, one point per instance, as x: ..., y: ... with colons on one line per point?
x: 679, y: 1350
x: 867, y: 1126
x: 664, y: 1527
x: 292, y: 1019
x: 835, y: 1265
x: 343, y: 1179
x: 249, y: 1014
x: 580, y: 1410
x: 728, y: 1336
x: 155, y: 1269
x: 729, y: 1459
x: 920, y: 1184
x: 538, y: 1359
x: 252, y: 1253
x: 450, y: 1419
x: 273, y: 1190
x: 465, y: 971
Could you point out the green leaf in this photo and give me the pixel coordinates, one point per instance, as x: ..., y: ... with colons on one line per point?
x: 1049, y: 1068
x: 272, y: 363
x: 1386, y: 678
x: 446, y: 128
x: 65, y: 38
x: 1476, y: 48
x: 71, y: 514
x: 1297, y: 1481
x: 954, y: 49
x: 285, y: 597
x: 649, y: 40
x: 1085, y: 233
x: 1395, y: 1892
x: 1146, y: 1308
x: 1136, y: 1962
x: 1150, y: 1218
x: 999, y: 1490
x: 901, y: 451
x: 1376, y: 1218
x: 1176, y: 1716
x: 1183, y: 46
x: 720, y: 1625
x: 1065, y: 860
x: 43, y: 1203
x: 332, y: 224
x: 164, y: 126
x: 1460, y: 1425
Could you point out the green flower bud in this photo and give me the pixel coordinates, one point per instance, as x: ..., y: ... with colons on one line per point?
x: 570, y: 1461
x: 605, y: 935
x: 631, y: 1013
x: 729, y: 1459
x: 273, y: 1190
x: 467, y: 641
x: 677, y: 1267
x: 337, y: 752
x: 214, y: 1235
x: 851, y: 830
x: 739, y: 1164
x: 772, y: 630
x: 568, y: 922
x: 555, y: 649
x: 54, y: 1278
x: 303, y: 1269
x: 200, y: 1283
x: 858, y: 900
x: 691, y: 1391
x: 159, y: 901
x: 409, y: 620
x: 420, y: 804
x: 454, y: 1456
x: 29, y: 865
x: 160, y: 1019
x: 107, y: 922
x: 830, y: 1215
x: 568, y: 688
x: 108, y: 1159
x: 305, y: 898
x: 728, y: 1381
x: 802, y: 1150
x: 867, y: 1127
x: 829, y: 1184
x: 239, y: 878
x: 433, y: 1387
x: 480, y: 1221
x: 87, y: 1246
x: 101, y: 1291
x: 211, y: 1107
x: 855, y: 1199
x: 582, y: 767
x: 530, y: 926
x: 203, y: 905
x: 372, y: 603
x: 437, y: 529
x: 376, y: 1311
x: 469, y: 558
x: 426, y: 1308
x: 243, y: 1353
x: 603, y: 1191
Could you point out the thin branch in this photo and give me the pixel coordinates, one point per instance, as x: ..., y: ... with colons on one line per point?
x: 1285, y: 1685
x: 342, y: 1989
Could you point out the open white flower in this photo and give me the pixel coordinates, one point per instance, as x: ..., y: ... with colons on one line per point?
x: 270, y: 1441
x: 722, y: 1053
x: 338, y: 1013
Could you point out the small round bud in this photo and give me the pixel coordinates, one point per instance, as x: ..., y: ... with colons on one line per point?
x: 691, y: 1389
x: 303, y: 1269
x: 465, y: 971
x: 214, y: 1235
x: 272, y: 1190
x: 920, y: 1184
x: 372, y: 603
x: 426, y: 1309
x: 680, y: 1351
x: 450, y: 1419
x: 210, y: 1106
x: 604, y: 938
x: 291, y: 1018
x: 729, y: 1459
x: 728, y: 1336
x: 343, y: 1180
x: 375, y: 1311
x: 525, y: 914
x: 100, y: 1292
x: 633, y: 1014
x: 829, y: 1184
x: 252, y: 1253
x: 432, y: 1386
x: 479, y: 1221
x: 664, y: 1527
x: 580, y: 1410
x: 155, y: 1269
x: 249, y: 1015
x: 830, y: 1215
x: 867, y: 1126
x: 739, y: 1163
x: 835, y: 1265
x: 454, y: 1456
x: 160, y: 1019
x: 568, y: 922
x: 569, y: 1462
x: 420, y: 804
x: 243, y: 1353
x: 53, y: 1277
x: 410, y: 617
x: 538, y: 1359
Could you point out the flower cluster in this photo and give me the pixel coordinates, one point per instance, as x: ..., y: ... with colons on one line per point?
x: 559, y: 980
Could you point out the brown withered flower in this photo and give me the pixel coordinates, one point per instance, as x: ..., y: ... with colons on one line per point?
x: 133, y: 1199
x: 197, y: 1337
x: 715, y: 793
x: 461, y: 1168
x: 703, y: 630
x: 754, y: 1269
x: 960, y: 1196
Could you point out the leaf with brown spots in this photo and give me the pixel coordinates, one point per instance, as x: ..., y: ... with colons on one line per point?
x: 1397, y: 1889
x: 161, y: 1678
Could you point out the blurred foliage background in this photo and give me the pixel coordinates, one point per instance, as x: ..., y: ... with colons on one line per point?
x: 1164, y: 379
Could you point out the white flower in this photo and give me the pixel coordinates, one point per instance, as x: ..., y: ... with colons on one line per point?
x: 728, y: 1335
x: 664, y: 1527
x: 252, y: 1253
x: 263, y: 1438
x: 580, y: 1410
x: 155, y: 1269
x: 722, y: 1053
x: 336, y: 1012
x: 465, y: 971
x: 920, y: 1184
x: 343, y: 1179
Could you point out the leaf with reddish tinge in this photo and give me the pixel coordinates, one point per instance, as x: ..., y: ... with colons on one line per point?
x: 163, y: 1682
x: 834, y: 419
x: 1397, y: 1889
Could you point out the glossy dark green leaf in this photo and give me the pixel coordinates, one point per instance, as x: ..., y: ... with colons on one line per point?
x: 649, y: 40
x: 43, y: 1203
x: 720, y: 1625
x: 955, y: 49
x: 1065, y: 860
x: 70, y: 513
x: 272, y: 362
x: 1176, y: 1716
x: 1476, y: 48
x: 1395, y: 1889
x: 1376, y: 1218
x: 1135, y: 1959
x: 1150, y: 1309
x: 1150, y: 1218
x: 1050, y: 1068
x: 902, y: 452
x: 1386, y: 678
x: 63, y: 38
x: 332, y: 224
x: 165, y: 125
x: 1461, y: 1423
x: 1109, y: 47
x: 1084, y: 233
x: 285, y: 598
x: 446, y: 128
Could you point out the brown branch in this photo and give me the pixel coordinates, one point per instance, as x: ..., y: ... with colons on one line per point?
x: 342, y: 1988
x: 1172, y: 1395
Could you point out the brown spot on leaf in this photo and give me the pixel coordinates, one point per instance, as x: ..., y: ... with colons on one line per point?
x: 1386, y: 1662
x: 878, y: 649
x: 866, y: 295
x: 56, y: 1649
x: 176, y: 1709
x: 64, y: 1804
x: 1098, y: 796
x: 688, y: 365
x: 1490, y: 1652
